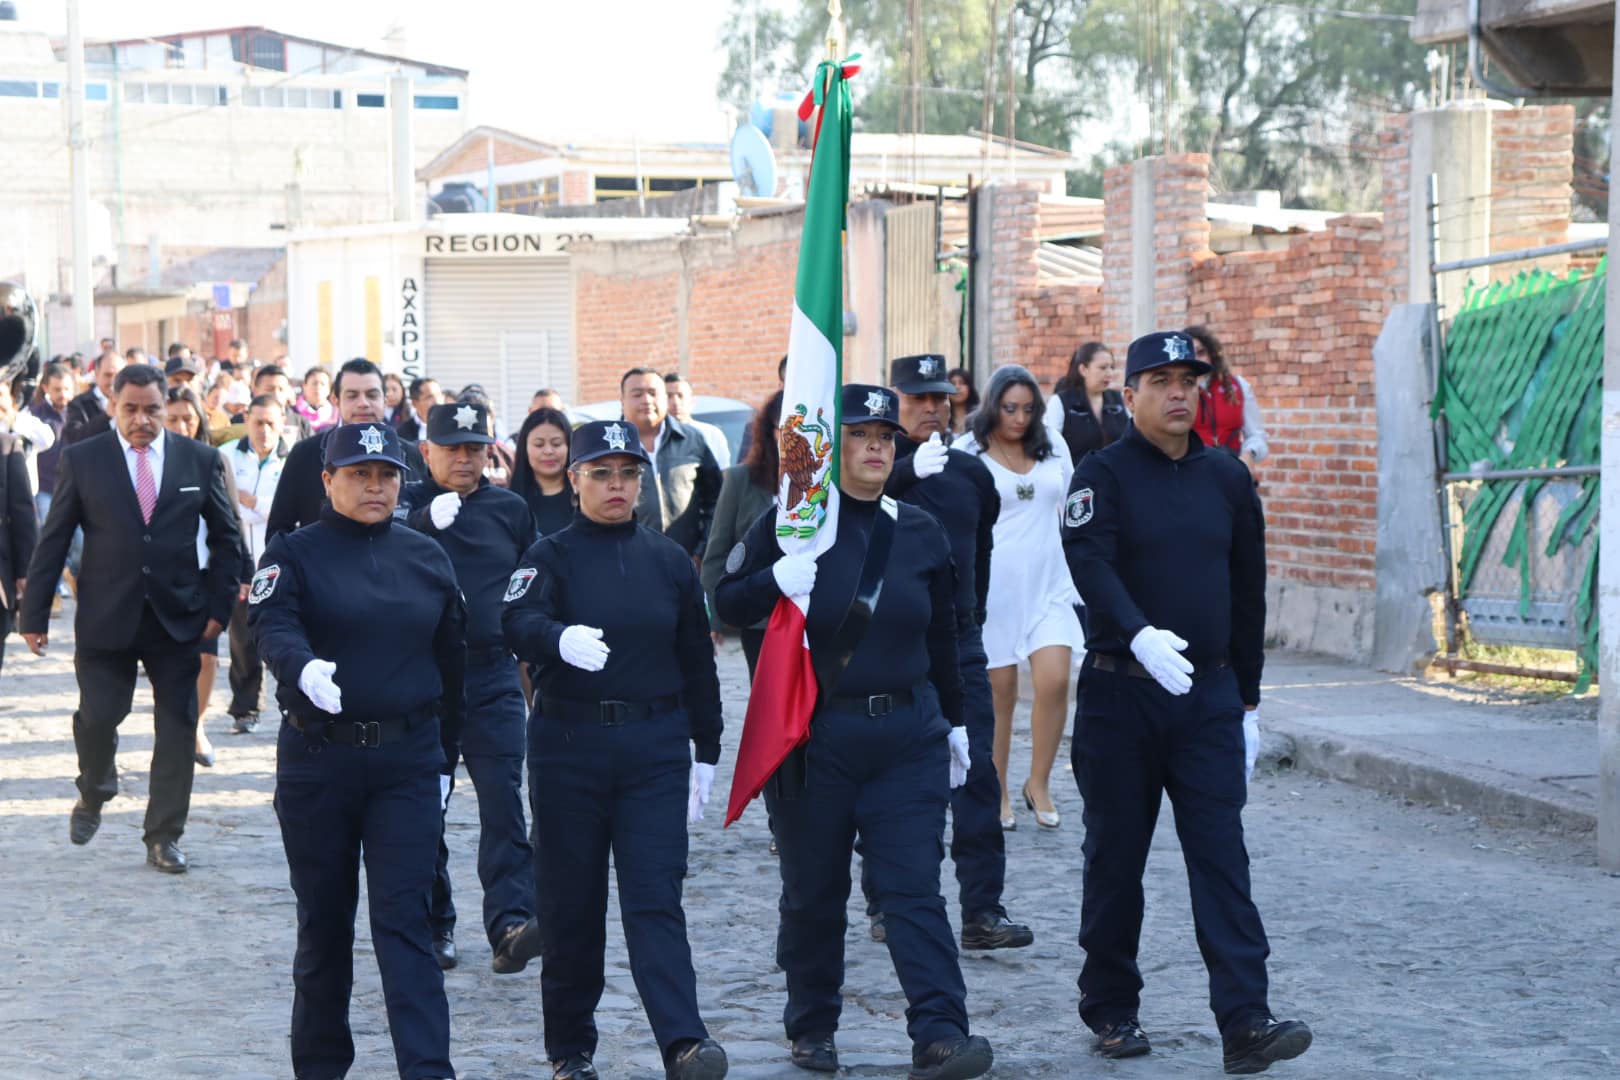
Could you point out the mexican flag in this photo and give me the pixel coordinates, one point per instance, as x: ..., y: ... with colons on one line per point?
x: 784, y: 693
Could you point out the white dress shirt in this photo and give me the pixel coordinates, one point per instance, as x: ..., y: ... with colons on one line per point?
x: 154, y: 458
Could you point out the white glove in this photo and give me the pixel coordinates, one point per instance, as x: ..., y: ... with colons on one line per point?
x: 316, y: 683
x: 795, y: 575
x: 1251, y: 743
x: 444, y: 793
x: 443, y: 510
x: 960, y: 763
x: 698, y: 798
x: 582, y: 647
x: 1160, y: 652
x: 930, y: 457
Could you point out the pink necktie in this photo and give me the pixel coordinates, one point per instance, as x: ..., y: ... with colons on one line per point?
x: 145, y: 486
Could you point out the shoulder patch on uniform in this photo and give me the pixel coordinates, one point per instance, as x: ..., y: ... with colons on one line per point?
x: 736, y: 558
x: 519, y: 584
x: 264, y: 583
x: 1077, y: 511
x: 889, y: 506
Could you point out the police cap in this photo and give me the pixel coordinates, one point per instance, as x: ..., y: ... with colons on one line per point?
x: 862, y: 404
x: 599, y: 438
x: 459, y: 422
x: 924, y: 374
x: 352, y: 444
x: 181, y: 365
x: 1161, y: 349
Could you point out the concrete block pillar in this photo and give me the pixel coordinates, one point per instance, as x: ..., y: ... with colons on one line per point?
x: 1453, y: 145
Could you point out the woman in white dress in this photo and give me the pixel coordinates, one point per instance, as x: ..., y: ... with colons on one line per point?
x: 1030, y: 610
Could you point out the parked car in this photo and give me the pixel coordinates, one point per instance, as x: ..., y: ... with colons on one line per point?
x: 728, y: 414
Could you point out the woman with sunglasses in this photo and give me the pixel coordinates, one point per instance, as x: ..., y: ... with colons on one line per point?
x: 610, y: 617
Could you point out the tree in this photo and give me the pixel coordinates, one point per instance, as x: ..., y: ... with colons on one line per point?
x: 1280, y: 95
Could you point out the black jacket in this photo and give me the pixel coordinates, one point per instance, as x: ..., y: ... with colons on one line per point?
x: 83, y: 418
x: 19, y: 524
x: 300, y: 495
x: 128, y: 563
x: 1175, y: 544
x: 912, y: 634
x: 378, y: 601
x: 1085, y: 432
x: 490, y: 534
x: 641, y: 590
x: 964, y: 500
x: 679, y: 492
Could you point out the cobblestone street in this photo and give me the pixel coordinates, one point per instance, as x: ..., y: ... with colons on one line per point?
x: 1417, y: 943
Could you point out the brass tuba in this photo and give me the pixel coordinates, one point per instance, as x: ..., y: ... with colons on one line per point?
x: 19, y: 320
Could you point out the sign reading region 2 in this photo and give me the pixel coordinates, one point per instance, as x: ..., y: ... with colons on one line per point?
x: 485, y: 244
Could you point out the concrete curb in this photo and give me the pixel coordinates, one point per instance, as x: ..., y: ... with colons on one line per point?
x: 1488, y: 793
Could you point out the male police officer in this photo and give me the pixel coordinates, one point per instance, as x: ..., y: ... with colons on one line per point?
x: 959, y: 492
x: 485, y: 530
x: 1166, y: 543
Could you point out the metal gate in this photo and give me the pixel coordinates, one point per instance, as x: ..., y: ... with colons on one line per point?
x: 1517, y: 407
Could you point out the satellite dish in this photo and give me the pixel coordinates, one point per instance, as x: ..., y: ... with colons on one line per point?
x: 753, y: 165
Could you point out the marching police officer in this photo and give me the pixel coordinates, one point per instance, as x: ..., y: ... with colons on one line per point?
x: 958, y: 490
x: 610, y: 616
x: 485, y: 530
x: 1165, y: 540
x: 886, y: 746
x: 364, y: 628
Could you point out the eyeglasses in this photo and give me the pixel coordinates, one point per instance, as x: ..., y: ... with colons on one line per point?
x: 601, y: 474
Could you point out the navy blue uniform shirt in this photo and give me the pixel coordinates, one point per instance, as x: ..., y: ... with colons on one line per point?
x: 1175, y: 544
x: 964, y: 500
x: 641, y: 590
x: 300, y: 495
x: 490, y: 534
x: 912, y: 635
x: 380, y: 602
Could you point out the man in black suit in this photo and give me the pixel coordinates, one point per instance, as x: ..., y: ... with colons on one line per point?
x: 91, y: 412
x: 19, y: 532
x: 140, y: 497
x: 425, y: 393
x: 358, y: 394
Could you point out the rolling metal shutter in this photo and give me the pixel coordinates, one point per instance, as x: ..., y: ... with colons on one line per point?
x: 507, y: 324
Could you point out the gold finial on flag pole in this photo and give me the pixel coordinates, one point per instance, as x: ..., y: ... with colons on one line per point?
x: 835, y: 31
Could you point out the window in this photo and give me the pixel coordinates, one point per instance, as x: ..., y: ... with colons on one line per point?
x: 275, y: 97
x: 437, y: 101
x: 157, y: 93
x: 252, y: 95
x: 527, y: 196
x: 50, y: 90
x: 297, y: 97
x: 222, y: 95
x: 337, y: 99
x: 96, y: 91
x: 19, y: 88
x: 268, y: 51
x: 370, y: 101
x: 180, y: 94
x: 174, y: 53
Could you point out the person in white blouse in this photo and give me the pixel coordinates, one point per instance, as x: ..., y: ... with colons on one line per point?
x: 34, y: 435
x: 1029, y: 614
x: 1228, y: 410
x: 256, y: 463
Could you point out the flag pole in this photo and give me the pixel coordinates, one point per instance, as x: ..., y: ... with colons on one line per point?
x: 835, y: 31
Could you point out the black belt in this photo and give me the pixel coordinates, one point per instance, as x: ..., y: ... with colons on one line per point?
x: 1121, y: 666
x: 368, y: 734
x: 607, y: 713
x: 871, y: 704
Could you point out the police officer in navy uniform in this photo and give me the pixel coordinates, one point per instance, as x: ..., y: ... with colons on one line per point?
x: 887, y: 744
x: 958, y: 490
x: 364, y: 628
x: 610, y: 616
x: 485, y: 530
x: 1165, y: 539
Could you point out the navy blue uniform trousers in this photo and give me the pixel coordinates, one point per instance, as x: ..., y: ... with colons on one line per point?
x: 338, y: 804
x: 1133, y: 744
x: 492, y: 742
x: 978, y: 848
x: 620, y: 788
x: 887, y: 780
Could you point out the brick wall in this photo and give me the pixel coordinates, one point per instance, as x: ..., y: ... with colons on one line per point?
x: 1532, y: 173
x: 1394, y: 140
x: 1116, y: 300
x: 578, y: 188
x: 714, y: 307
x: 1015, y: 218
x: 1053, y: 320
x: 1180, y: 232
x: 1307, y: 351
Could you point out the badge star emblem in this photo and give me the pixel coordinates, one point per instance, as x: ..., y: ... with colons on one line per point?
x: 466, y: 417
x: 1175, y: 347
x: 371, y: 441
x: 877, y: 404
x: 614, y: 434
x: 928, y: 367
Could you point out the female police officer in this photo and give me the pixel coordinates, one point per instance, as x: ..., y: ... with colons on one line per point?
x: 885, y: 749
x: 611, y: 616
x: 365, y: 631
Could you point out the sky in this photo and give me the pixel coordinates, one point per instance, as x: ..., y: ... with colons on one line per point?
x: 552, y: 69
